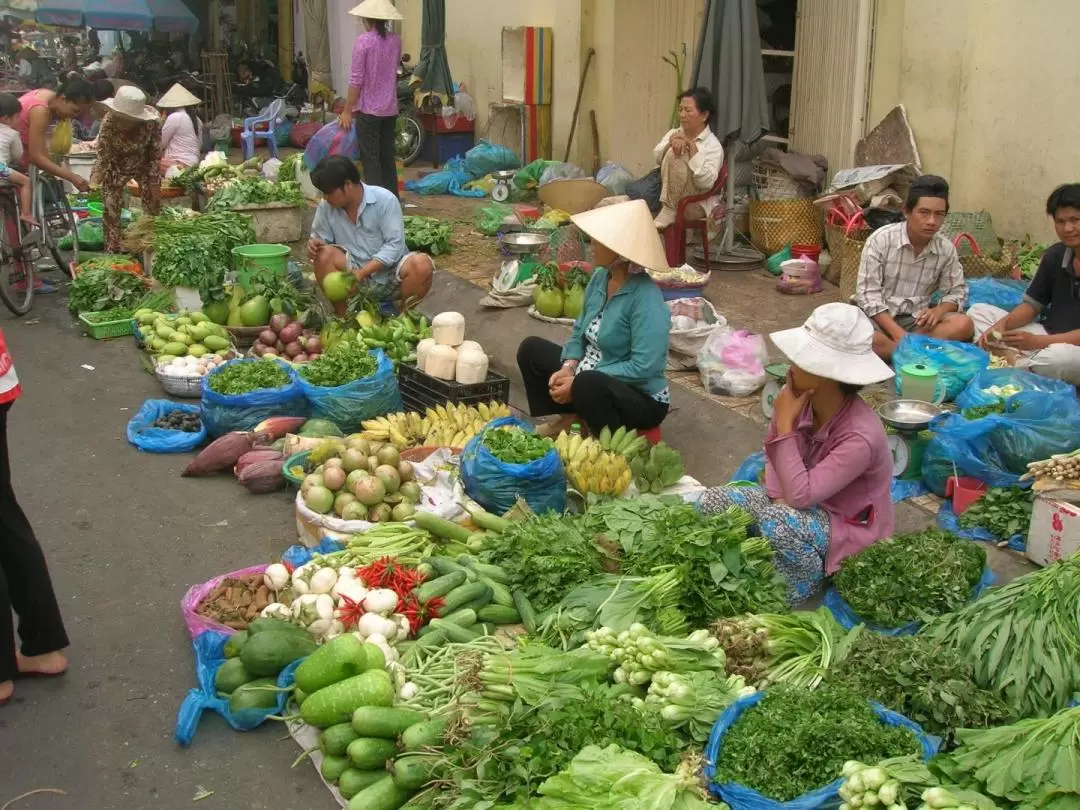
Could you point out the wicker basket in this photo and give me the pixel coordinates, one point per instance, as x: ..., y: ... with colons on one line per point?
x: 183, y: 387
x: 245, y: 336
x: 775, y: 224
x: 773, y: 183
x: 851, y: 246
x: 979, y: 230
x: 977, y: 264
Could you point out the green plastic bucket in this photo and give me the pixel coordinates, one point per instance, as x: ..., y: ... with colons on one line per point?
x: 255, y: 260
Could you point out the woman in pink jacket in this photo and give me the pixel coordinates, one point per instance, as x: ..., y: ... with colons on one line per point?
x: 828, y: 466
x: 24, y: 577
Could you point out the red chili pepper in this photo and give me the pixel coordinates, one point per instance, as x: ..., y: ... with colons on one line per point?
x: 288, y: 566
x: 350, y: 612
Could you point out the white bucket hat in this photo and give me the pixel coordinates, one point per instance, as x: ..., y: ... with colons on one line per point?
x: 626, y: 228
x: 376, y: 10
x: 130, y: 102
x: 837, y: 343
x: 177, y: 96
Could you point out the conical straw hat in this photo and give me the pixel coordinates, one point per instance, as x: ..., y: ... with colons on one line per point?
x: 177, y: 96
x: 376, y: 10
x: 626, y: 228
x: 572, y: 196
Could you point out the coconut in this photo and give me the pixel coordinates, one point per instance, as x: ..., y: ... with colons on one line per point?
x: 405, y: 470
x: 388, y: 454
x: 334, y: 478
x: 342, y: 500
x: 370, y: 491
x: 319, y: 499
x: 389, y: 476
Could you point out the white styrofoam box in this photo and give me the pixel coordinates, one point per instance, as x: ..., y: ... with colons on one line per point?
x: 1054, y: 533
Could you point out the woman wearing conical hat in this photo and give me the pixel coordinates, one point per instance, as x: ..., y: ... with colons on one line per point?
x: 181, y: 134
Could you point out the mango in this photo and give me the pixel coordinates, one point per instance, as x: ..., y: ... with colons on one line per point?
x: 176, y: 349
x: 198, y: 317
x: 163, y: 330
x: 183, y: 320
x: 215, y: 342
x: 180, y: 337
x: 158, y: 344
x: 223, y: 353
x: 197, y: 350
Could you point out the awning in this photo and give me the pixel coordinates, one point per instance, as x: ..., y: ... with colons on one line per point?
x: 432, y: 69
x: 173, y: 17
x: 20, y: 9
x: 118, y: 15
x: 60, y: 12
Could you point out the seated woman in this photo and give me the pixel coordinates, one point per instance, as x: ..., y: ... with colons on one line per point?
x: 129, y: 148
x: 181, y: 134
x: 828, y: 466
x: 689, y: 157
x: 611, y: 371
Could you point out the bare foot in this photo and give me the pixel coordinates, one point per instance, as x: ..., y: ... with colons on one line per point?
x: 554, y: 427
x: 7, y: 689
x: 29, y: 220
x: 53, y: 663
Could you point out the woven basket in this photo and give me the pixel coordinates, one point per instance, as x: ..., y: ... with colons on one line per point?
x: 773, y: 183
x: 775, y: 224
x: 979, y: 227
x: 834, y: 236
x: 977, y: 264
x: 851, y: 246
x: 183, y: 387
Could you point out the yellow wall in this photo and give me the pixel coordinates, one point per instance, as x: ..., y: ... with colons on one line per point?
x: 991, y: 93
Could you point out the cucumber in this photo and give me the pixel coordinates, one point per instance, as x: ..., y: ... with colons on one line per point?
x: 336, y: 704
x: 231, y: 675
x: 424, y: 735
x: 334, y: 741
x: 268, y: 653
x: 440, y: 586
x: 455, y: 633
x: 486, y: 520
x: 354, y: 780
x: 235, y: 644
x: 427, y: 571
x: 435, y: 525
x: 484, y: 569
x: 266, y: 624
x: 442, y: 565
x: 368, y: 753
x: 255, y: 695
x: 461, y: 596
x: 475, y: 543
x: 486, y: 628
x: 462, y: 618
x: 498, y: 614
x: 333, y: 767
x: 375, y: 721
x: 525, y: 610
x: 412, y: 771
x: 500, y: 594
x: 483, y: 600
x: 383, y: 795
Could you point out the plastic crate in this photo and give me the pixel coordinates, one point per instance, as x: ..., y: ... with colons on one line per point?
x: 420, y: 391
x: 108, y: 329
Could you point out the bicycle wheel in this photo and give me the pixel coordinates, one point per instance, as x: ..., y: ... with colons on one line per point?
x: 58, y: 221
x: 16, y: 273
x: 409, y: 139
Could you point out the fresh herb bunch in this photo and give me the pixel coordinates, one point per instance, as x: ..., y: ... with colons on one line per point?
x: 97, y: 289
x: 196, y: 250
x: 795, y: 741
x: 919, y: 678
x: 343, y: 364
x: 979, y: 411
x: 108, y: 315
x: 911, y: 577
x: 248, y: 375
x: 427, y: 235
x: 255, y: 190
x: 513, y: 445
x: 546, y: 556
x: 1002, y: 511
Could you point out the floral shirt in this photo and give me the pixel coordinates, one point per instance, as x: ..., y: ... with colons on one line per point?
x: 127, y: 153
x: 593, y: 356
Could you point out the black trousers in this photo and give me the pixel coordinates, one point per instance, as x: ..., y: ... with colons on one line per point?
x: 376, y: 135
x: 598, y: 399
x: 25, y: 584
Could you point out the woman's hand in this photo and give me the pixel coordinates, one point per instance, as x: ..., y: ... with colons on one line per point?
x: 345, y: 121
x: 81, y: 183
x: 564, y: 372
x: 560, y: 388
x: 788, y: 406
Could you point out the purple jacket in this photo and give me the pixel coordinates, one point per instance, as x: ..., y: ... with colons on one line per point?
x: 374, y: 70
x: 845, y: 468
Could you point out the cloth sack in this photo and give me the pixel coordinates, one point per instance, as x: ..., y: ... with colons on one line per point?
x: 692, y: 321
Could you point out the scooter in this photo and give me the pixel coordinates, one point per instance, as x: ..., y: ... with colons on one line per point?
x: 409, y: 138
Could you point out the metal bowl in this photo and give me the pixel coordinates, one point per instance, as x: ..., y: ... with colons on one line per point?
x: 908, y: 414
x: 522, y: 244
x: 505, y: 174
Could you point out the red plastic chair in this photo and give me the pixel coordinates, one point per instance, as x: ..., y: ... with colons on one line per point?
x: 652, y: 435
x: 675, y: 235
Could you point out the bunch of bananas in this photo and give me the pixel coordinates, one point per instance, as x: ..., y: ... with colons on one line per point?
x: 658, y: 469
x: 601, y: 472
x: 624, y: 442
x: 447, y: 425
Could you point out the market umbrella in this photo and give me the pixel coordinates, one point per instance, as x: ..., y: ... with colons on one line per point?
x: 729, y: 64
x: 118, y: 15
x: 60, y: 12
x: 173, y: 17
x: 432, y: 68
x: 20, y: 9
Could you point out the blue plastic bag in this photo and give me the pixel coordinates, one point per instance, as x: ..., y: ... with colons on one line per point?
x: 997, y: 448
x: 209, y: 649
x: 486, y: 157
x: 848, y: 618
x: 740, y: 797
x: 330, y: 140
x: 350, y: 404
x: 1003, y: 293
x: 496, y: 484
x: 142, y: 434
x: 451, y: 179
x: 297, y: 554
x: 975, y: 393
x: 222, y: 413
x: 957, y: 363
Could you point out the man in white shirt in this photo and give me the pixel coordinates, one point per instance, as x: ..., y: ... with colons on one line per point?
x: 689, y: 157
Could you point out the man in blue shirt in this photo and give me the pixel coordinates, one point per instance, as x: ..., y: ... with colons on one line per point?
x: 359, y: 229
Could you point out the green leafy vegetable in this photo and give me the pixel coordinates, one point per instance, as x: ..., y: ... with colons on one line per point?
x: 254, y: 190
x: 1002, y: 511
x: 979, y: 411
x: 343, y: 364
x: 427, y: 235
x: 794, y: 741
x: 108, y: 315
x: 98, y: 288
x: 289, y: 170
x: 516, y: 446
x: 248, y: 375
x: 911, y: 577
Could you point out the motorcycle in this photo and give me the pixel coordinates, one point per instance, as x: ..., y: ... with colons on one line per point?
x: 409, y: 134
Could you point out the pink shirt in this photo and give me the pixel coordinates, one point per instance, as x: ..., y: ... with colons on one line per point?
x: 28, y: 101
x: 179, y: 140
x: 375, y: 61
x: 845, y: 468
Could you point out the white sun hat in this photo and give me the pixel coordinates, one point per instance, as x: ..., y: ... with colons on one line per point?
x: 376, y: 10
x: 837, y: 343
x: 130, y: 102
x: 177, y: 96
x: 627, y: 229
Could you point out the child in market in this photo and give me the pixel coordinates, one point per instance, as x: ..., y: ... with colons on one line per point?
x: 11, y: 152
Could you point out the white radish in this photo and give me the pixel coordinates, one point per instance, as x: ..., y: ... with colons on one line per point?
x: 276, y: 577
x: 404, y: 628
x: 277, y: 610
x: 323, y: 580
x: 381, y: 601
x: 304, y: 610
x: 373, y: 625
x: 324, y: 606
x: 320, y: 627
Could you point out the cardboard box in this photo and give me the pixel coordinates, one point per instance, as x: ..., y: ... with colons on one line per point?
x: 527, y: 70
x: 1054, y: 533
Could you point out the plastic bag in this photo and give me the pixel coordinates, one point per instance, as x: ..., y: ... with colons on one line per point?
x: 647, y: 188
x: 330, y: 140
x: 270, y: 170
x: 800, y: 276
x: 302, y: 133
x: 732, y: 362
x: 142, y: 434
x: 948, y: 521
x: 496, y: 484
x: 740, y: 797
x: 615, y: 178
x: 752, y: 469
x: 465, y: 105
x: 529, y: 176
x: 452, y: 179
x: 222, y: 413
x: 62, y: 135
x: 956, y: 363
x: 848, y: 618
x: 487, y: 157
x: 772, y: 264
x: 692, y: 321
x: 490, y: 218
x: 997, y: 448
x: 350, y: 404
x: 561, y: 171
x: 978, y: 390
x: 1004, y: 293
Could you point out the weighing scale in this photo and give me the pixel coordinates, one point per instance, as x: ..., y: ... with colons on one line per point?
x: 777, y: 377
x: 501, y: 191
x: 907, y: 420
x: 522, y: 246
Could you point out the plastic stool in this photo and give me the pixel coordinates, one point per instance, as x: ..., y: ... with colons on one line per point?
x: 652, y: 435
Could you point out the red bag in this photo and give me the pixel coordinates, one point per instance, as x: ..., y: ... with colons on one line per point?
x: 302, y: 133
x: 9, y: 380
